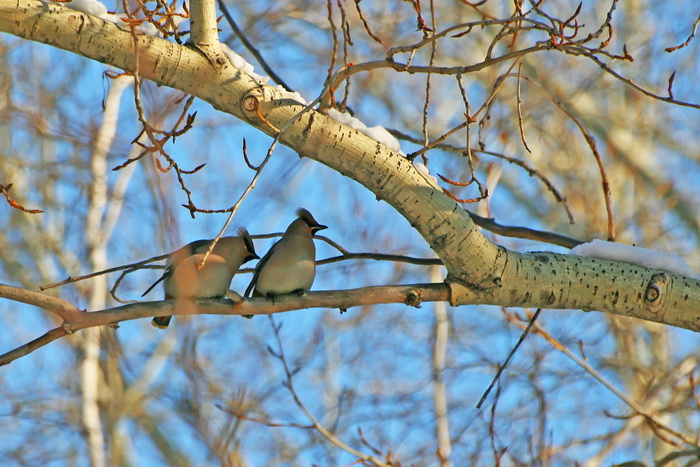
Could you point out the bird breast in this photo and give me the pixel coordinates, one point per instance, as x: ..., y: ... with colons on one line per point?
x: 287, y: 272
x: 188, y: 281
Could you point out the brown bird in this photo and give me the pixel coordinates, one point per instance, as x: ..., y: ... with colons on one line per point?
x: 184, y: 278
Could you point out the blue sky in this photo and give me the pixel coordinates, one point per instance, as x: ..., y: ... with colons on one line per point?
x: 378, y: 359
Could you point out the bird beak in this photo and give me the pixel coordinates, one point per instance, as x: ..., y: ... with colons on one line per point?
x: 318, y: 227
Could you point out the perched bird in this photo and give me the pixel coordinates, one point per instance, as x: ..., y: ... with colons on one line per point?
x: 184, y: 278
x: 290, y: 265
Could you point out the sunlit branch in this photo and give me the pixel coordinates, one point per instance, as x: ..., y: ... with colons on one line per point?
x: 411, y: 295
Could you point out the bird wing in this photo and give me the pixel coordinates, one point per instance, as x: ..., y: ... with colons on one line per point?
x: 176, y: 257
x: 259, y: 267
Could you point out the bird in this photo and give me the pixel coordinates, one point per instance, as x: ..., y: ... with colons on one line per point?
x: 185, y: 278
x: 290, y: 265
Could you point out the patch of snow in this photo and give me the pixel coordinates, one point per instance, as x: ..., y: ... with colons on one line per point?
x: 239, y: 62
x: 423, y: 169
x: 95, y: 8
x: 295, y: 96
x: 377, y: 133
x: 632, y: 254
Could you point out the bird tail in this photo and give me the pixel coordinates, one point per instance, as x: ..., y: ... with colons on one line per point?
x: 248, y: 290
x: 160, y: 279
x: 161, y: 322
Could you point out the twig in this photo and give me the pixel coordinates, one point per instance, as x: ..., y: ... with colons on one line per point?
x: 289, y: 384
x: 510, y: 355
x: 520, y: 110
x: 366, y: 25
x: 251, y: 48
x: 5, y: 190
x: 690, y: 38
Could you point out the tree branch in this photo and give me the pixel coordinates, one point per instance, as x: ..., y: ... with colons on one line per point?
x: 412, y: 295
x: 65, y: 310
x: 203, y: 28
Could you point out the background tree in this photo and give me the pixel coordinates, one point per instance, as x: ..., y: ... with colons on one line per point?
x: 538, y: 105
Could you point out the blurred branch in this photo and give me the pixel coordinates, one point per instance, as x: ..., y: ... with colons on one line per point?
x: 442, y: 421
x: 411, y: 295
x: 654, y: 422
x: 5, y: 191
x: 251, y: 48
x: 289, y: 384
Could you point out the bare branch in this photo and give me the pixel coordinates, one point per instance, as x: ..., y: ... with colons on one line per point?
x: 65, y: 310
x: 690, y: 38
x: 251, y: 48
x: 289, y: 374
x: 5, y: 191
x: 204, y: 31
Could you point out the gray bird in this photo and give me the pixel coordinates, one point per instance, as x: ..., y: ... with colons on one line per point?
x: 184, y: 279
x: 290, y: 265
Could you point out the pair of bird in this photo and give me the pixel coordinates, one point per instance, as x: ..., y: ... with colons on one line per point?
x: 289, y: 266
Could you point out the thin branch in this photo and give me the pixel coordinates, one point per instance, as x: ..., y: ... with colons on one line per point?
x: 630, y: 82
x: 524, y: 232
x: 289, y: 384
x: 651, y: 419
x: 530, y: 170
x: 590, y: 140
x: 251, y: 48
x: 62, y: 308
x: 690, y: 38
x: 510, y: 355
x: 30, y: 347
x: 485, y: 106
x: 5, y: 191
x: 343, y: 73
x: 139, y: 265
x: 364, y: 22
